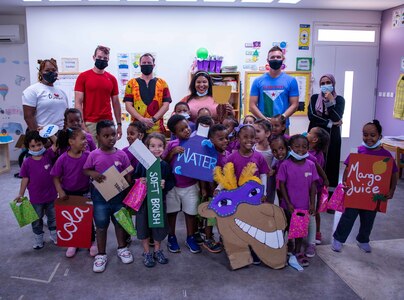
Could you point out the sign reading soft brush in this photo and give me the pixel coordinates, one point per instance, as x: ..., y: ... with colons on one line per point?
x: 199, y: 157
x: 368, y: 182
x: 153, y: 179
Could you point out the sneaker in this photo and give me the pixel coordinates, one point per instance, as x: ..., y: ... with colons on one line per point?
x: 256, y: 259
x: 198, y: 238
x: 318, y: 238
x: 303, y: 261
x: 54, y: 237
x: 212, y: 246
x: 38, y: 241
x: 172, y: 244
x: 148, y: 260
x: 311, y: 250
x: 192, y: 245
x: 336, y: 245
x: 71, y: 251
x: 151, y: 242
x: 100, y: 262
x: 365, y: 247
x: 159, y: 256
x: 125, y: 255
x: 93, y: 249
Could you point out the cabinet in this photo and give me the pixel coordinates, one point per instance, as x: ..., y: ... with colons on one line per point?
x: 233, y: 80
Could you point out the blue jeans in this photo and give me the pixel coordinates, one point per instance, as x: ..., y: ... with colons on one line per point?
x: 47, y: 209
x: 104, y: 210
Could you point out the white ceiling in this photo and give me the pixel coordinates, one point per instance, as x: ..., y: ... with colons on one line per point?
x: 18, y: 6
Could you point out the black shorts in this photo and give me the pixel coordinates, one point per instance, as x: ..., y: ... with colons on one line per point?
x: 142, y: 224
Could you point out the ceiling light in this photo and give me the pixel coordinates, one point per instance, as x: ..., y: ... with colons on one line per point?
x: 289, y: 1
x: 181, y: 0
x: 32, y: 0
x: 103, y: 0
x: 219, y: 1
x: 142, y: 0
x: 64, y: 0
x: 257, y: 1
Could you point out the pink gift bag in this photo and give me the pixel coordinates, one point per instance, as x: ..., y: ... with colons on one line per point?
x: 323, y: 200
x: 336, y: 201
x: 136, y: 195
x: 299, y: 224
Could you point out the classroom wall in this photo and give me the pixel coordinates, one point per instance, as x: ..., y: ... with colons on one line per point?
x: 391, y: 54
x: 14, y: 78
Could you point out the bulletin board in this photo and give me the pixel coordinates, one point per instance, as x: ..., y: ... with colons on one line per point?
x: 66, y: 82
x: 303, y: 82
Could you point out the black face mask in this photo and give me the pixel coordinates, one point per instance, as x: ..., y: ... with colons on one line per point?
x: 50, y: 76
x: 275, y: 64
x: 146, y: 69
x: 101, y: 64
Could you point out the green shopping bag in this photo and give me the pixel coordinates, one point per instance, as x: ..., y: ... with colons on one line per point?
x: 24, y: 212
x: 124, y: 218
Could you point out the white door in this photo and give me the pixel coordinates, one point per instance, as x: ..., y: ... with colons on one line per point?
x: 361, y: 61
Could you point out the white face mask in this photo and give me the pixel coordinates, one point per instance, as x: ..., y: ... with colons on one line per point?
x: 202, y: 94
x: 37, y: 153
x: 186, y: 115
x: 377, y: 144
x: 297, y: 156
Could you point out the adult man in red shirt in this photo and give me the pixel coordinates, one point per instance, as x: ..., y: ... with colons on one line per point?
x: 94, y: 92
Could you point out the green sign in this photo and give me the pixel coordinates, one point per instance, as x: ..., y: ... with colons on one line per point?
x: 155, y: 196
x: 303, y: 63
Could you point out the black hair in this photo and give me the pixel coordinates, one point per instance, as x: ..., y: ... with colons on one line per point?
x: 206, y: 120
x: 216, y: 128
x: 243, y: 127
x: 376, y: 123
x: 155, y: 135
x: 279, y: 138
x: 147, y: 54
x: 104, y: 124
x: 33, y: 135
x: 295, y: 137
x: 141, y: 127
x: 204, y: 108
x: 42, y: 63
x: 275, y: 48
x: 72, y: 111
x: 192, y: 88
x: 323, y: 139
x: 66, y: 134
x: 181, y: 103
x: 173, y: 121
x: 249, y: 116
x: 233, y: 120
x: 264, y: 124
x: 281, y: 119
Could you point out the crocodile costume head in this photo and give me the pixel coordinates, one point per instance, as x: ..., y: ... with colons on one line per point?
x: 244, y: 222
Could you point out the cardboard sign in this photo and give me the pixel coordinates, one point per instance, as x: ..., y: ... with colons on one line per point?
x: 142, y: 154
x: 155, y: 196
x: 221, y: 93
x: 198, y: 160
x: 113, y: 184
x: 73, y: 221
x: 368, y: 182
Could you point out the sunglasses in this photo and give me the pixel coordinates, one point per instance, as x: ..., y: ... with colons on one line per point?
x: 325, y: 82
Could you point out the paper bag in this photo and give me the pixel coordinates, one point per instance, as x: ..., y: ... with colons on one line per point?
x: 323, y: 200
x: 336, y: 201
x: 299, y: 224
x: 136, y: 195
x: 24, y: 212
x: 125, y: 220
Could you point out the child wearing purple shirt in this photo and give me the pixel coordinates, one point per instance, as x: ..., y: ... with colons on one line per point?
x: 35, y: 173
x: 372, y: 134
x: 98, y: 162
x: 297, y: 180
x: 136, y: 130
x: 185, y: 195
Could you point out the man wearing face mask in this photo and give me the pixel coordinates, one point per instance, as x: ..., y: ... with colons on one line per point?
x: 43, y: 103
x: 94, y: 92
x: 147, y: 98
x: 275, y: 92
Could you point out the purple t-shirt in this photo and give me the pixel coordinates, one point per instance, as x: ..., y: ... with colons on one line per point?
x: 233, y: 145
x: 40, y: 186
x: 318, y: 158
x: 222, y: 158
x: 298, y: 179
x: 100, y: 161
x: 380, y: 152
x: 240, y: 162
x: 70, y: 170
x: 133, y: 160
x: 180, y: 181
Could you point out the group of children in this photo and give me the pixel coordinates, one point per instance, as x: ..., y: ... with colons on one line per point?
x: 290, y: 168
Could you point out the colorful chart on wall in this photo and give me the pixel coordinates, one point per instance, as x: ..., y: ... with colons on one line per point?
x: 66, y: 82
x: 303, y: 82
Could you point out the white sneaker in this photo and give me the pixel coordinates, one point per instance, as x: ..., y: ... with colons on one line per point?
x: 54, y: 237
x: 38, y: 241
x: 100, y: 262
x: 125, y: 255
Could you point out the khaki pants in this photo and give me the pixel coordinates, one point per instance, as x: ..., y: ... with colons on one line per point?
x: 92, y: 130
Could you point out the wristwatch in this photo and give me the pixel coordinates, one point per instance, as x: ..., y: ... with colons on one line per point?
x: 154, y: 119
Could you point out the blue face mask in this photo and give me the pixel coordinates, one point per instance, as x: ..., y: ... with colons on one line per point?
x: 377, y: 144
x: 37, y: 153
x: 297, y: 156
x: 327, y: 88
x: 202, y: 94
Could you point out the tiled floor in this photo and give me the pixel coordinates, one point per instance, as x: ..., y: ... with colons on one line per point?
x: 47, y: 274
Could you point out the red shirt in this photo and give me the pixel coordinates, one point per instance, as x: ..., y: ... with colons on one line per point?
x: 98, y: 90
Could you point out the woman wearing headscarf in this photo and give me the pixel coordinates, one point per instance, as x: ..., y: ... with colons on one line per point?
x: 326, y: 110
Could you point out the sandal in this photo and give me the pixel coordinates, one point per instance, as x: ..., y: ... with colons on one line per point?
x: 303, y: 261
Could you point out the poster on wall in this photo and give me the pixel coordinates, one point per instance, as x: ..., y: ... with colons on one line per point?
x: 69, y: 65
x: 304, y: 36
x: 397, y: 18
x: 252, y: 52
x: 303, y: 63
x: 123, y: 72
